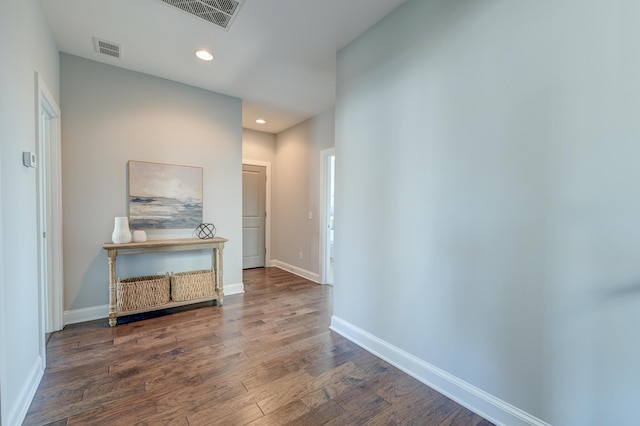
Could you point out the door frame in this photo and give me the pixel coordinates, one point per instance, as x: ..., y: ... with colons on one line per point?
x: 267, y: 222
x: 50, y: 272
x: 325, y: 154
x: 2, y: 301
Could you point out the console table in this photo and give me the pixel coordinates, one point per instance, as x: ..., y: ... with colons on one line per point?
x: 215, y: 244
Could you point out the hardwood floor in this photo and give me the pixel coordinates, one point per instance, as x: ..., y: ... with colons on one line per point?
x: 266, y: 357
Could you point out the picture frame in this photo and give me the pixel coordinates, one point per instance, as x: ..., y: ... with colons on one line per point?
x: 164, y: 196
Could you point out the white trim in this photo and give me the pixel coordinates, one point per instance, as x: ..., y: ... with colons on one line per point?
x: 323, y: 261
x: 102, y: 311
x: 480, y: 402
x: 235, y: 288
x: 312, y: 276
x: 2, y: 305
x: 267, y: 229
x: 86, y: 314
x: 45, y: 102
x: 18, y: 412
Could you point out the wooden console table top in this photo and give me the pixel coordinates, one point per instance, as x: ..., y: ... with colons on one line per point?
x: 150, y: 246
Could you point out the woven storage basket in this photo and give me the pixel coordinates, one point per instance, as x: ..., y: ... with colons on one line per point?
x: 192, y: 285
x: 142, y: 292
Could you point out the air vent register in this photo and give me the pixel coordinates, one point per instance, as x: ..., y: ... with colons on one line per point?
x: 217, y: 12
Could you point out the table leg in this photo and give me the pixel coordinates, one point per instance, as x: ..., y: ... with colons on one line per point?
x: 113, y: 319
x: 218, y: 272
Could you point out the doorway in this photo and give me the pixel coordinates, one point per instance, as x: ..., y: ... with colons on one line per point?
x: 328, y: 168
x: 49, y: 208
x: 254, y: 216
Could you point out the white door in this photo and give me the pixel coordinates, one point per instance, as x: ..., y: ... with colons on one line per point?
x: 254, y: 181
x: 49, y: 211
x: 328, y: 167
x: 44, y: 218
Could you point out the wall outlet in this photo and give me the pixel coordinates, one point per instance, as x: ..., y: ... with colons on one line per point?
x: 300, y: 255
x: 310, y: 215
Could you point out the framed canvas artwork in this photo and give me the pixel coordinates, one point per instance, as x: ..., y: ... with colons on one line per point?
x: 163, y: 196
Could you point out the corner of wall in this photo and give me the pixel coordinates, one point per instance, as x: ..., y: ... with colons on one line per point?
x: 17, y: 413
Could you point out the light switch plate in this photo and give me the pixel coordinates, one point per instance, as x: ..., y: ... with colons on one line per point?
x: 29, y: 159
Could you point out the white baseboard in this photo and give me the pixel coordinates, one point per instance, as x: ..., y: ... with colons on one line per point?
x: 480, y: 402
x: 312, y: 276
x: 19, y: 411
x: 235, y: 288
x: 86, y: 314
x: 99, y: 312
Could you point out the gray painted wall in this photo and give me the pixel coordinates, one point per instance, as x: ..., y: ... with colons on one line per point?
x: 488, y: 195
x: 26, y: 46
x: 111, y: 116
x: 259, y: 146
x: 296, y: 182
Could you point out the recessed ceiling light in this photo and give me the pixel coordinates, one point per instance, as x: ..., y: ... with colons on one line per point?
x: 204, y: 55
x: 260, y: 121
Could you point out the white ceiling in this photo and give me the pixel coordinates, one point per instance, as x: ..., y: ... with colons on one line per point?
x: 278, y: 55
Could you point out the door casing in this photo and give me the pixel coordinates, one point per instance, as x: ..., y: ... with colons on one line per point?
x: 325, y: 199
x: 49, y: 205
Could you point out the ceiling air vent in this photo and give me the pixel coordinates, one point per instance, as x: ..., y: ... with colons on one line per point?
x: 218, y: 12
x: 107, y: 47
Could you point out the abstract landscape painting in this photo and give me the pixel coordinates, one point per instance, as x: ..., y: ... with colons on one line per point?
x: 164, y: 196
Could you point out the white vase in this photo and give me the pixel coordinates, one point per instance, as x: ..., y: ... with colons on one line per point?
x: 139, y: 236
x: 121, y: 233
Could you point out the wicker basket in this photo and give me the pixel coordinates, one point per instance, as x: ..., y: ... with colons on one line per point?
x: 192, y: 285
x: 142, y: 292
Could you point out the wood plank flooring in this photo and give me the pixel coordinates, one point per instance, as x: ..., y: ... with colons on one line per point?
x: 266, y: 357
